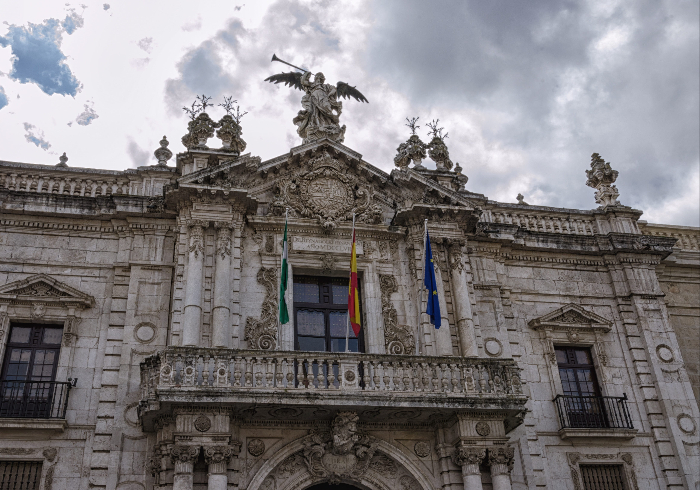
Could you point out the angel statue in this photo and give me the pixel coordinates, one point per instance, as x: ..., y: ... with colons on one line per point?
x: 321, y: 111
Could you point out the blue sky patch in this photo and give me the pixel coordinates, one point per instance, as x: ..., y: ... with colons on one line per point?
x: 3, y: 98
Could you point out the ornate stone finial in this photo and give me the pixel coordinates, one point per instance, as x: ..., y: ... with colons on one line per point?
x: 230, y: 127
x: 521, y: 201
x: 437, y: 149
x: 321, y: 111
x: 201, y: 127
x: 62, y: 161
x: 460, y: 179
x: 601, y: 177
x: 413, y: 150
x: 163, y: 154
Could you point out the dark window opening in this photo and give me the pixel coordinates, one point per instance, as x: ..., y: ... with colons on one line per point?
x: 20, y: 475
x: 602, y: 477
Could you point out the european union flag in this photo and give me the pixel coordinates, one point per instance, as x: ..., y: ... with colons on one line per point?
x: 431, y: 285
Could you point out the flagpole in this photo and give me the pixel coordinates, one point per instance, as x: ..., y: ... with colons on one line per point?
x: 422, y: 286
x: 347, y: 324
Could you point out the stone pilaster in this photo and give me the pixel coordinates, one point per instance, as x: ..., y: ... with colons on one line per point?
x: 469, y: 459
x: 217, y: 457
x: 193, y: 288
x: 183, y: 457
x: 462, y: 302
x: 501, y: 461
x: 221, y: 318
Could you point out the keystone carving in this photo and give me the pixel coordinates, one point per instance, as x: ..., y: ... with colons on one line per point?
x: 262, y: 333
x: 340, y: 454
x: 601, y: 177
x: 398, y: 339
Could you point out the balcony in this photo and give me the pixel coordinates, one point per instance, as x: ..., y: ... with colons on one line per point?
x: 27, y: 405
x: 594, y: 416
x: 297, y: 385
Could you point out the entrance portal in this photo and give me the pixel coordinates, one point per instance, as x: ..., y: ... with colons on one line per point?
x: 328, y: 486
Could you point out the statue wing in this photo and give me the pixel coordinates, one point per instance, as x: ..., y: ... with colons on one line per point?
x: 346, y: 91
x: 292, y: 79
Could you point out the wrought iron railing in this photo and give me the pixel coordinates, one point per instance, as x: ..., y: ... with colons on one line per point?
x: 593, y: 412
x: 34, y: 399
x: 250, y: 371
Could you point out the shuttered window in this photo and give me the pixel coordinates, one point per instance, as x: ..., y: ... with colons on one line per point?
x: 602, y: 477
x: 20, y: 475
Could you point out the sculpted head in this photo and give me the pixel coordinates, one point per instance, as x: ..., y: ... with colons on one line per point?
x: 319, y: 78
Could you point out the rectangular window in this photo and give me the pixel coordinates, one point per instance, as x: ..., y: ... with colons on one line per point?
x: 20, y: 475
x: 602, y: 477
x: 582, y: 401
x: 27, y: 381
x: 321, y: 314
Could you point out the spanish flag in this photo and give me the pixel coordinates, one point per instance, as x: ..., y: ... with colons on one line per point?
x: 353, y: 297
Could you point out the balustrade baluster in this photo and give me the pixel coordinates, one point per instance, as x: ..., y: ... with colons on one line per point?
x: 322, y: 366
x: 385, y: 375
x: 331, y: 374
x: 454, y: 378
x: 300, y: 373
x: 205, y: 370
x: 406, y: 368
x: 237, y: 371
x: 289, y: 370
x: 376, y: 381
x: 269, y: 366
x: 279, y: 375
x: 257, y: 371
x: 443, y: 375
x: 248, y: 371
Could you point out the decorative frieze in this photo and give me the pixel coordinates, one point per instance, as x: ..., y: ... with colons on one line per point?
x: 398, y: 339
x: 262, y: 333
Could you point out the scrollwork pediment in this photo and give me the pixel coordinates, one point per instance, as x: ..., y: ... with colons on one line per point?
x: 569, y: 317
x: 47, y: 290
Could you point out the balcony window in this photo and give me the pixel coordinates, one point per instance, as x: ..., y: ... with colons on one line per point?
x: 321, y: 315
x: 27, y: 383
x: 582, y: 406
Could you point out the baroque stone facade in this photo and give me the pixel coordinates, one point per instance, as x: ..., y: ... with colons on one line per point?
x: 165, y: 282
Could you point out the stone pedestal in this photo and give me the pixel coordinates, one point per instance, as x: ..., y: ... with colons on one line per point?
x: 193, y: 288
x: 221, y: 316
x: 183, y: 458
x: 469, y: 459
x: 501, y: 461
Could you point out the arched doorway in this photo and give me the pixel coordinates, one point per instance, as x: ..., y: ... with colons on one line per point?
x: 329, y: 486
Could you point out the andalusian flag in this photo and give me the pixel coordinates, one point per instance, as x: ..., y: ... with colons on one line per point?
x: 353, y: 297
x: 284, y: 313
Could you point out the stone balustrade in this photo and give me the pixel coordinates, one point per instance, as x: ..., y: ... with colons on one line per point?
x: 688, y: 237
x: 542, y: 221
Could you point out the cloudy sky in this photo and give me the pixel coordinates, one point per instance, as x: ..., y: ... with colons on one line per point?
x: 526, y: 90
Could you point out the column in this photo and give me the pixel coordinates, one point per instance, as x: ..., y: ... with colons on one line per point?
x: 462, y: 302
x: 501, y: 461
x: 221, y: 317
x: 193, y: 288
x: 183, y: 458
x: 443, y: 336
x: 469, y: 459
x: 217, y: 457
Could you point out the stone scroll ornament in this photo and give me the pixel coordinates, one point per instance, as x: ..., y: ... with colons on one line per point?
x: 262, y: 333
x: 324, y: 191
x: 398, y: 339
x: 343, y: 453
x: 321, y: 109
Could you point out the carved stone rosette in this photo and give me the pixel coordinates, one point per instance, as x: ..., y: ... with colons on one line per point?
x: 398, y: 339
x: 262, y: 333
x: 223, y: 238
x: 501, y: 460
x: 469, y: 459
x: 196, y: 227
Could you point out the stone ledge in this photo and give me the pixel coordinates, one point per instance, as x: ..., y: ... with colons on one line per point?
x: 21, y: 428
x: 620, y: 434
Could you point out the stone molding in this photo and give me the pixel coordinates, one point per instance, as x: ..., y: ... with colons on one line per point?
x: 574, y: 459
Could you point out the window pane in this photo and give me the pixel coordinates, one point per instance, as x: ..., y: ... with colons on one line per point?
x: 311, y: 322
x: 338, y: 345
x: 340, y: 291
x: 306, y: 290
x: 583, y: 356
x: 52, y: 335
x: 312, y: 344
x: 561, y: 356
x: 20, y: 335
x: 339, y: 324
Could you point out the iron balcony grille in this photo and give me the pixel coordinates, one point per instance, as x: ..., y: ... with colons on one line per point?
x: 602, y: 477
x: 593, y: 412
x: 20, y: 475
x: 34, y: 399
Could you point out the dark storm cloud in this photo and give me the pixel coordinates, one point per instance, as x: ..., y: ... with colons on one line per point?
x: 564, y: 79
x: 36, y: 136
x: 3, y: 98
x: 137, y: 154
x: 37, y: 56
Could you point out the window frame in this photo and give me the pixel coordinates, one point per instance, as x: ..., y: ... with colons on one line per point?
x: 34, y: 347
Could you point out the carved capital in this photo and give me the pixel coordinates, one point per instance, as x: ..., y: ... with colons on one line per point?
x: 217, y: 457
x: 184, y: 454
x: 223, y: 238
x: 196, y: 227
x: 469, y: 459
x: 501, y: 460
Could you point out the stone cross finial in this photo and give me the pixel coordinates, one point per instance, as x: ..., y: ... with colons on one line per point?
x: 162, y: 153
x: 601, y: 177
x: 62, y: 161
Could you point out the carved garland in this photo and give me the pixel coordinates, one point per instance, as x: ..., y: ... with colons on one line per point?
x: 398, y: 339
x: 196, y: 227
x: 262, y: 333
x: 223, y: 238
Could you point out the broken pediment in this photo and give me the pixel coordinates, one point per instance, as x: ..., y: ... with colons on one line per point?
x: 571, y: 316
x: 45, y: 289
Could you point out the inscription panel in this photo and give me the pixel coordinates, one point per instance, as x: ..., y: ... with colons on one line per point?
x: 321, y: 244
